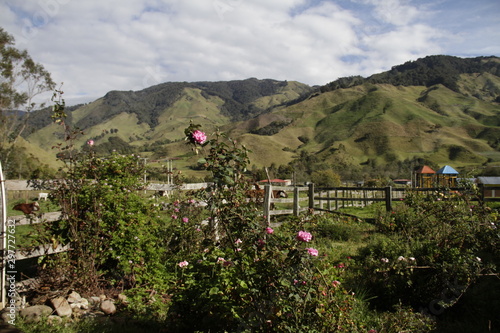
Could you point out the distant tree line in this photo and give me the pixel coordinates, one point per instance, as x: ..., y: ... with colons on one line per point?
x: 426, y: 71
x: 271, y: 129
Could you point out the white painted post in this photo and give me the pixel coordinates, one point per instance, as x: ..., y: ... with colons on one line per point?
x: 3, y: 234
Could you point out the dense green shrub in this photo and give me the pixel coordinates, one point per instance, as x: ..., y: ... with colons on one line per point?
x: 435, y: 248
x: 114, y: 231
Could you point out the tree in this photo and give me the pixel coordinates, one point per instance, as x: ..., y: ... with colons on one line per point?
x: 21, y: 80
x: 327, y: 178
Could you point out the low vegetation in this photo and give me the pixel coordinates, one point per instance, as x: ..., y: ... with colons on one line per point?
x: 221, y: 268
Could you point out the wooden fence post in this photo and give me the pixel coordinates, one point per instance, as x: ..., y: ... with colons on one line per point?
x: 329, y: 203
x: 481, y: 191
x: 388, y: 198
x: 267, y: 202
x: 296, y: 201
x: 336, y: 199
x: 311, y: 196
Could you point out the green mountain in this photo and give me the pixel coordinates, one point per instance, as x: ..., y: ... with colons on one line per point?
x: 439, y: 109
x: 442, y: 109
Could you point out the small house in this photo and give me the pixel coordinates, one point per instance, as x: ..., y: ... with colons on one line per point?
x: 446, y: 176
x: 424, y: 176
x: 491, y: 186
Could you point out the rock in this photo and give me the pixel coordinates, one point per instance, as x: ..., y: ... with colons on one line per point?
x: 122, y: 298
x: 108, y: 307
x: 8, y: 316
x: 35, y: 312
x: 82, y: 304
x: 94, y: 300
x: 74, y: 297
x: 5, y: 328
x: 62, y: 307
x: 92, y: 314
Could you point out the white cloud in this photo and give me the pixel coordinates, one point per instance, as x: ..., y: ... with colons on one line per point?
x: 397, y: 12
x: 98, y: 46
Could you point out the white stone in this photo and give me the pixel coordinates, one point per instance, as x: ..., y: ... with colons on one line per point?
x: 108, y: 307
x: 62, y: 307
x: 74, y: 297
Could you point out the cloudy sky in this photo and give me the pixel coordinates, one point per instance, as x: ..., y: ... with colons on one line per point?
x: 95, y: 46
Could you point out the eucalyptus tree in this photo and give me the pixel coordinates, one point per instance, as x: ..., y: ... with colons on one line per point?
x: 21, y: 80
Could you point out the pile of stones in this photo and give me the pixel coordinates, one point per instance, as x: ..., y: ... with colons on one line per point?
x: 72, y: 306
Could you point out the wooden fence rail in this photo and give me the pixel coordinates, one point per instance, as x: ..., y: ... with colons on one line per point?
x: 338, y: 197
x: 295, y: 200
x: 40, y: 250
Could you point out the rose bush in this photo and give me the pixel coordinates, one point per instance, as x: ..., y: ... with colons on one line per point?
x: 243, y: 275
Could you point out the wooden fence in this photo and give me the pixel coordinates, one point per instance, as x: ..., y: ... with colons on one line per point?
x: 295, y: 200
x: 40, y: 250
x: 340, y: 197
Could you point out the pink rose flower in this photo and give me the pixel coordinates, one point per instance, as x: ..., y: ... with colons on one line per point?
x: 199, y: 137
x: 269, y: 230
x: 90, y: 142
x: 183, y: 264
x: 304, y: 236
x: 185, y: 220
x: 312, y: 252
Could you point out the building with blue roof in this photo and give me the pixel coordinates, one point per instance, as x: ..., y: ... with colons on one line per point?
x: 447, y: 176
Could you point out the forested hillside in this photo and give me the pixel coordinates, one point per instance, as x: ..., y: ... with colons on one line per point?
x: 432, y: 70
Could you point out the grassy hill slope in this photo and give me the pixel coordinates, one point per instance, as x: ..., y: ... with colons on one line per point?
x: 386, y: 122
x: 443, y: 109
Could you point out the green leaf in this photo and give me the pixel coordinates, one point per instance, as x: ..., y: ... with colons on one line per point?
x: 285, y: 283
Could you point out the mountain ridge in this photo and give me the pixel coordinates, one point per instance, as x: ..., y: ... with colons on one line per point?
x: 439, y: 108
